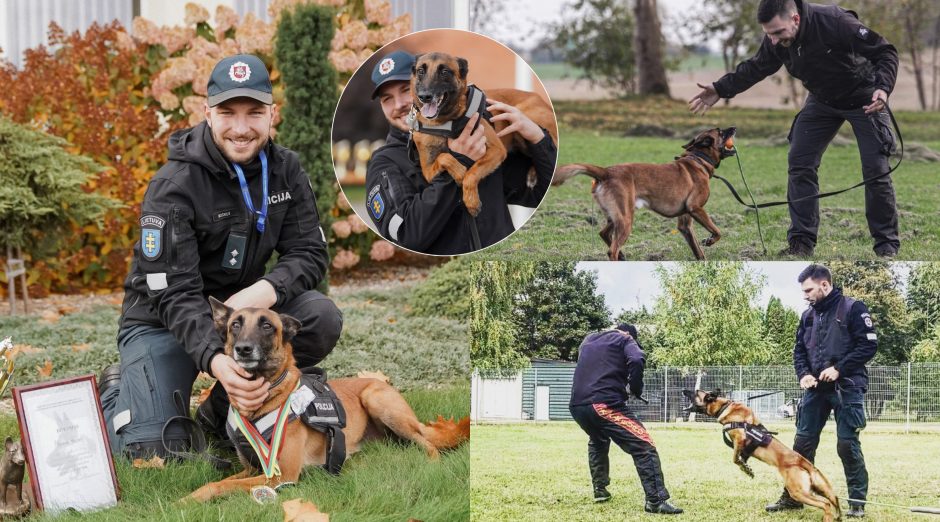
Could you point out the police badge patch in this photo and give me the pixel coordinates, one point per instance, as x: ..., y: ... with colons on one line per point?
x: 151, y: 236
x: 376, y: 203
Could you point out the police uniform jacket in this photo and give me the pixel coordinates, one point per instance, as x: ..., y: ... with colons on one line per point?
x: 430, y: 217
x: 839, y: 60
x: 825, y: 340
x: 198, y: 239
x: 608, y: 363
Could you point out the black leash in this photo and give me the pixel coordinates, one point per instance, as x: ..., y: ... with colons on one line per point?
x: 755, y: 206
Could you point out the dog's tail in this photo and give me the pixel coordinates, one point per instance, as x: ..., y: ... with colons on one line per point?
x: 446, y: 434
x: 821, y: 486
x: 563, y: 174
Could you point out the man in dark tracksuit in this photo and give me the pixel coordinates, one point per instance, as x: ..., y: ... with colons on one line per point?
x: 849, y: 71
x: 227, y: 198
x: 609, y: 362
x: 430, y: 217
x: 834, y: 341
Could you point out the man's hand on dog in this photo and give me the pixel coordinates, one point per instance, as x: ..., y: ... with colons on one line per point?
x: 258, y: 295
x: 807, y: 382
x: 471, y: 143
x: 245, y: 393
x: 518, y: 122
x: 703, y: 100
x: 830, y: 374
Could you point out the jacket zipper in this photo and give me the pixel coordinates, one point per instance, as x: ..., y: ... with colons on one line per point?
x: 173, y: 238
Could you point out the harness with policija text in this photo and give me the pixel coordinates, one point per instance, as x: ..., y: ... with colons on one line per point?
x: 476, y: 104
x: 755, y: 435
x: 314, y: 403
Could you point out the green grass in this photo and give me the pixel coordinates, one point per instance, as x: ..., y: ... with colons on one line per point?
x: 569, y: 220
x: 539, y: 472
x: 386, y: 481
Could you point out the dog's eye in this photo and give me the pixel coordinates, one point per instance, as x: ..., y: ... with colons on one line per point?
x: 236, y: 327
x: 445, y: 73
x: 267, y: 327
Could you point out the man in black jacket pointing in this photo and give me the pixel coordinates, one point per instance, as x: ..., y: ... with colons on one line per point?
x: 849, y: 71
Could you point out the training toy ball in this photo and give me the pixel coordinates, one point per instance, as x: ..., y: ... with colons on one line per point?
x: 729, y: 143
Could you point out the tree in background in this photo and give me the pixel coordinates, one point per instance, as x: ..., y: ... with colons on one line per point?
x: 599, y: 42
x: 734, y: 23
x: 645, y: 323
x: 923, y: 298
x: 648, y: 45
x: 780, y: 325
x: 706, y: 315
x: 874, y: 283
x: 485, y: 13
x: 493, y: 290
x: 555, y: 309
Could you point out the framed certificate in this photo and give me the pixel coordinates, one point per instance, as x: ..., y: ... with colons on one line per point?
x: 66, y: 445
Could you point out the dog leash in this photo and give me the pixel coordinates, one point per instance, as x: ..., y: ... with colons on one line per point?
x: 912, y: 509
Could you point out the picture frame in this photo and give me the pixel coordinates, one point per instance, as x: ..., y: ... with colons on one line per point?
x: 65, y: 442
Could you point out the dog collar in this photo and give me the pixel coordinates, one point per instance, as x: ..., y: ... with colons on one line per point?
x: 694, y: 154
x: 722, y: 409
x: 476, y: 103
x: 278, y: 381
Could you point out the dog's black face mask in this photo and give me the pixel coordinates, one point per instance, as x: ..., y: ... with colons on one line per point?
x: 437, y: 84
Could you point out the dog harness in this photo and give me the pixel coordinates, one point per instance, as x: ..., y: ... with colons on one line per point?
x: 316, y: 405
x: 476, y: 103
x: 755, y: 435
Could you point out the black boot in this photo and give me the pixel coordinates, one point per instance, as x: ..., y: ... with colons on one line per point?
x: 109, y: 378
x: 213, y: 412
x: 601, y: 494
x: 784, y: 503
x: 856, y: 511
x: 797, y: 248
x: 663, y: 507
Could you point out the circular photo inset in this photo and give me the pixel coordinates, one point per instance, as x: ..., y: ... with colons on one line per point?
x: 444, y: 142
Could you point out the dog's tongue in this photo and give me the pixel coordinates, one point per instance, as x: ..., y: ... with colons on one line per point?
x: 429, y: 110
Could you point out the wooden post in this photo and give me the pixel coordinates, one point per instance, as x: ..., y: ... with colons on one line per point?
x: 16, y: 267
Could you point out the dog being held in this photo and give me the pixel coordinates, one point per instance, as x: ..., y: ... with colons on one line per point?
x: 259, y: 341
x: 440, y: 90
x: 803, y: 481
x: 678, y: 189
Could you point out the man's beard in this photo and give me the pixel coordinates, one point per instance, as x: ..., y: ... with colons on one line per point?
x: 237, y: 154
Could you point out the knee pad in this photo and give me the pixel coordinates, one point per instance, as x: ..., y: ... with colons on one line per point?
x: 805, y: 445
x: 846, y: 448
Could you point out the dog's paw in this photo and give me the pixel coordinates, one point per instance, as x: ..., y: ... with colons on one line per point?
x: 709, y: 241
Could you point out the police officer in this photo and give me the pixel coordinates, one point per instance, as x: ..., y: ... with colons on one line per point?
x: 430, y: 217
x: 227, y: 198
x: 608, y: 363
x: 834, y: 341
x: 849, y: 71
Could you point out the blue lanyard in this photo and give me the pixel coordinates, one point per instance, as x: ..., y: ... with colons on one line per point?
x: 263, y: 213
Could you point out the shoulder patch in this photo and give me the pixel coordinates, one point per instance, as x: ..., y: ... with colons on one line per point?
x: 151, y: 243
x: 868, y: 322
x: 152, y: 221
x: 376, y: 203
x: 866, y: 35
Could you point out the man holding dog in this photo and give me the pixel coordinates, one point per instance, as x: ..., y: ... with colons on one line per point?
x: 225, y: 201
x: 609, y: 363
x: 849, y: 71
x: 430, y: 217
x: 834, y: 341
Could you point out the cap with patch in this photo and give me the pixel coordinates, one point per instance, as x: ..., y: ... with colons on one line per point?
x: 394, y: 67
x: 242, y: 75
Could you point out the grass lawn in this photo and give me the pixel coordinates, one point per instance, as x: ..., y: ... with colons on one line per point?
x: 386, y: 481
x: 539, y: 472
x: 568, y: 221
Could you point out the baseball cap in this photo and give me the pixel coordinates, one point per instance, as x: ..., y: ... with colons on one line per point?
x: 394, y: 67
x: 629, y: 328
x: 242, y: 75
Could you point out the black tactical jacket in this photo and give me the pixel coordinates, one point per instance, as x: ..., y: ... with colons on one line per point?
x: 430, y: 217
x: 839, y: 60
x: 608, y: 363
x: 201, y: 240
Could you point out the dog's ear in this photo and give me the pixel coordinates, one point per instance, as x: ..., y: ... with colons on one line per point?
x: 220, y: 315
x: 462, y: 68
x: 289, y: 327
x: 705, y: 141
x: 414, y: 66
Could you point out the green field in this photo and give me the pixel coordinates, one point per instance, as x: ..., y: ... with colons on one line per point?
x: 568, y: 221
x: 538, y: 472
x: 386, y: 481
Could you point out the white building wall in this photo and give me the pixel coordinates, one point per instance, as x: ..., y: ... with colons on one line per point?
x: 496, y: 399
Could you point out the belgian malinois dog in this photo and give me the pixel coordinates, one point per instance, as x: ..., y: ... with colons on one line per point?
x: 803, y: 481
x: 259, y: 341
x: 678, y: 189
x: 439, y: 87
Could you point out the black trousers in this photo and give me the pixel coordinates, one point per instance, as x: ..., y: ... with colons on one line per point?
x: 604, y: 423
x: 812, y: 131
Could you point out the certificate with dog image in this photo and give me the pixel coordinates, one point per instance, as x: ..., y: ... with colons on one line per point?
x: 66, y: 445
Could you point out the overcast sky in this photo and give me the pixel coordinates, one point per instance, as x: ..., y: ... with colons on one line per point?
x: 631, y: 285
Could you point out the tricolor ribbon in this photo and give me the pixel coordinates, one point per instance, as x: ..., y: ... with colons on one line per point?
x: 267, y: 453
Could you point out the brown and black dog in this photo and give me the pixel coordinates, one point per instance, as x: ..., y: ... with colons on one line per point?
x: 373, y: 407
x: 678, y: 189
x: 803, y: 481
x: 439, y: 88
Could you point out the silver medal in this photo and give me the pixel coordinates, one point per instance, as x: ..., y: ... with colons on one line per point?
x: 263, y: 494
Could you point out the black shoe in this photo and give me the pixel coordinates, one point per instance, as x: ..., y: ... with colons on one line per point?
x: 886, y: 251
x: 856, y: 511
x: 663, y: 507
x: 797, y: 249
x: 212, y: 413
x: 601, y: 494
x: 109, y: 378
x: 784, y: 503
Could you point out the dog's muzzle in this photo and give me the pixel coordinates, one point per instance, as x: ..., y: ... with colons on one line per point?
x: 692, y: 407
x: 727, y: 138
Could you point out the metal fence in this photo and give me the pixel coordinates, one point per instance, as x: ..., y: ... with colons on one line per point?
x: 900, y: 394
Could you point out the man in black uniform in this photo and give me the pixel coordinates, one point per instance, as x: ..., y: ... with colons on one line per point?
x: 211, y: 217
x: 834, y: 341
x: 430, y: 217
x: 609, y: 362
x: 849, y: 71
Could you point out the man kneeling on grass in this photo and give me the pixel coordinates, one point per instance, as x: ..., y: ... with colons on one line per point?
x: 609, y: 362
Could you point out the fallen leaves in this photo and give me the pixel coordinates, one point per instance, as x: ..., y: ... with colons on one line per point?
x: 154, y: 463
x: 45, y: 371
x: 203, y: 395
x: 298, y: 510
x: 79, y: 348
x: 50, y: 316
